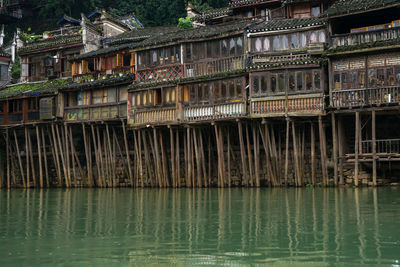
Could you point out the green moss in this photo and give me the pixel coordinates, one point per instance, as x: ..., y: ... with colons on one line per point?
x: 33, y: 88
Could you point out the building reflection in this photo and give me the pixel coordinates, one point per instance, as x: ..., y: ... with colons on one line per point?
x: 210, y: 226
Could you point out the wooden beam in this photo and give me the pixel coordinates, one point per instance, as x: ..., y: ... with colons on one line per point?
x: 374, y: 148
x: 334, y: 141
x: 356, y: 147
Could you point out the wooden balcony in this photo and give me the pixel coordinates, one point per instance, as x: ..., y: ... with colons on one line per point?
x: 292, y: 105
x: 166, y: 73
x: 211, y: 66
x: 214, y: 112
x: 365, y: 37
x: 365, y: 97
x: 89, y: 113
x: 153, y: 116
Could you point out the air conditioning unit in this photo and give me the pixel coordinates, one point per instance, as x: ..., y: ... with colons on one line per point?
x: 48, y: 62
x: 49, y: 72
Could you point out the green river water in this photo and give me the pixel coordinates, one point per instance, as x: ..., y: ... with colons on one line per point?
x: 184, y: 227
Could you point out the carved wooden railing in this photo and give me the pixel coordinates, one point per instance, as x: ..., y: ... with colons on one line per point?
x: 308, y: 104
x: 365, y: 97
x: 160, y: 74
x: 385, y: 146
x: 103, y: 112
x: 214, y: 112
x: 210, y: 66
x: 365, y: 37
x: 154, y: 115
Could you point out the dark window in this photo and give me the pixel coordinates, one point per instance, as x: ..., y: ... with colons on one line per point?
x: 299, y: 81
x: 217, y: 87
x: 264, y: 84
x: 217, y: 49
x: 336, y: 80
x: 209, y: 49
x: 308, y: 81
x: 32, y: 104
x: 239, y: 88
x: 232, y: 47
x: 224, y: 48
x: 223, y: 89
x: 255, y: 85
x: 1, y: 107
x: 127, y: 60
x: 200, y: 92
x: 231, y: 88
x: 281, y: 82
x: 188, y: 51
x: 292, y: 82
x: 317, y: 80
x: 192, y: 93
x: 361, y: 79
x: 239, y: 44
x: 273, y: 83
x: 380, y: 77
x: 206, y: 92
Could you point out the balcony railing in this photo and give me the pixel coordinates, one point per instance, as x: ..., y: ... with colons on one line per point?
x: 214, y: 66
x: 214, y: 112
x: 365, y: 37
x: 386, y: 146
x: 154, y: 115
x: 365, y: 97
x: 166, y: 73
x: 113, y: 111
x: 309, y: 104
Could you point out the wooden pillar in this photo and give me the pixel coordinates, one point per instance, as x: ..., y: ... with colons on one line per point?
x: 335, y: 160
x: 374, y: 148
x: 312, y: 153
x: 323, y: 151
x: 296, y: 155
x: 341, y: 151
x: 40, y: 157
x: 356, y: 147
x: 128, y: 158
x: 242, y: 154
x: 8, y: 160
x: 19, y: 160
x: 46, y: 168
x: 287, y: 151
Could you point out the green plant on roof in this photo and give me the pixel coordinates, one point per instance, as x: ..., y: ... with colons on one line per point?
x: 185, y: 23
x: 28, y: 36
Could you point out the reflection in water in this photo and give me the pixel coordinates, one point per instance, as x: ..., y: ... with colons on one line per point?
x: 211, y: 226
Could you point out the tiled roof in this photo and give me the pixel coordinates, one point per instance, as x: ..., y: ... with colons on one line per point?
x: 268, y: 65
x: 344, y: 7
x: 124, y: 79
x: 238, y: 3
x: 140, y: 34
x: 28, y: 89
x: 287, y: 24
x: 55, y: 42
x: 212, y: 13
x: 196, y: 33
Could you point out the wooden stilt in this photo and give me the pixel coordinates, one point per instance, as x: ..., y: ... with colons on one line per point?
x: 323, y: 151
x: 166, y: 182
x: 8, y: 160
x: 222, y: 153
x: 113, y: 176
x: 128, y: 158
x: 157, y: 158
x: 209, y: 159
x: 191, y: 144
x: 287, y: 151
x: 96, y: 155
x: 140, y: 158
x: 54, y: 152
x: 198, y: 163
x: 41, y: 181
x: 264, y: 137
x: 172, y: 150
x: 249, y: 157
x: 178, y: 162
x: 341, y: 153
x: 335, y: 160
x: 88, y: 167
x: 356, y: 148
x: 19, y: 160
x: 229, y: 159
x: 219, y: 156
x: 189, y: 162
x: 46, y: 168
x: 32, y: 161
x: 296, y: 155
x: 63, y: 160
x: 374, y: 148
x: 28, y: 180
x: 243, y: 154
x: 256, y: 153
x: 312, y: 154
x: 203, y: 161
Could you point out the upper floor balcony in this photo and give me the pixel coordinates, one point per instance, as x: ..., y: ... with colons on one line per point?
x: 364, y: 37
x: 214, y: 65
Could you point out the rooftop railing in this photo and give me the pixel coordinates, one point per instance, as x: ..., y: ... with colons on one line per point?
x: 359, y: 38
